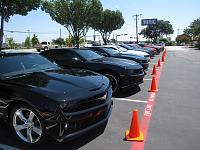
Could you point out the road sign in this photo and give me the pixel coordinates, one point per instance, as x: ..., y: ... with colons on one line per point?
x: 149, y: 22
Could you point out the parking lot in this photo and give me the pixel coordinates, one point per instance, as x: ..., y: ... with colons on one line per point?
x: 174, y: 119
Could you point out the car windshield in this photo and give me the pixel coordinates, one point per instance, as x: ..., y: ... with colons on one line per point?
x: 127, y: 47
x: 18, y: 64
x: 111, y: 51
x: 89, y: 54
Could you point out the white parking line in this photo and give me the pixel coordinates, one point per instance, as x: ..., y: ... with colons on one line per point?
x: 129, y: 100
x: 147, y: 79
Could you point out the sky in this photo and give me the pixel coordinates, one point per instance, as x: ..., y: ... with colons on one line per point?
x: 180, y: 13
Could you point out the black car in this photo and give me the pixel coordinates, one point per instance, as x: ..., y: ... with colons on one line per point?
x: 110, y: 52
x: 40, y: 99
x: 121, y: 72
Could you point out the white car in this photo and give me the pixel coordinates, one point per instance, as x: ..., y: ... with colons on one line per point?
x: 125, y: 51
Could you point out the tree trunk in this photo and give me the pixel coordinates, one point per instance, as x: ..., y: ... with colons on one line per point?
x: 77, y: 41
x: 1, y: 32
x: 105, y: 38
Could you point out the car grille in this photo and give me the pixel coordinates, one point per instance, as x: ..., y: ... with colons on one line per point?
x: 138, y: 71
x: 85, y: 104
x: 145, y: 61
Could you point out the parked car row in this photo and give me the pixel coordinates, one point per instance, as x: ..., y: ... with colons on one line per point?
x: 64, y: 92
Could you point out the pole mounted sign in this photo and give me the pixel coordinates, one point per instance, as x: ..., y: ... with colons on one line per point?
x: 149, y: 22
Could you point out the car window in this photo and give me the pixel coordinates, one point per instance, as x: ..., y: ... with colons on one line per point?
x: 44, y: 43
x: 23, y: 63
x: 111, y: 51
x: 89, y: 54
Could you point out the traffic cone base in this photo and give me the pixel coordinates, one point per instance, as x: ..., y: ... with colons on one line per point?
x: 154, y: 87
x: 152, y: 90
x: 140, y: 138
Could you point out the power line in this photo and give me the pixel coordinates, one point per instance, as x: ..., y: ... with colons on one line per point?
x: 28, y: 32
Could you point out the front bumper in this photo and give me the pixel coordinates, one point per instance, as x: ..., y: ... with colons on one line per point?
x: 131, y: 80
x: 67, y: 126
x: 145, y: 66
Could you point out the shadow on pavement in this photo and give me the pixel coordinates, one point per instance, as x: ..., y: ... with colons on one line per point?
x: 9, y: 142
x: 127, y: 92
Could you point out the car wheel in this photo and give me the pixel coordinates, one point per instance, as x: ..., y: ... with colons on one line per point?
x: 38, y: 50
x: 27, y: 125
x: 45, y: 48
x: 114, y: 80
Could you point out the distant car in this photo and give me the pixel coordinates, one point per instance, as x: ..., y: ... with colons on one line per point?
x: 139, y: 48
x: 121, y: 72
x: 45, y: 46
x: 128, y: 52
x: 157, y: 50
x: 40, y: 99
x: 130, y: 49
x: 110, y: 52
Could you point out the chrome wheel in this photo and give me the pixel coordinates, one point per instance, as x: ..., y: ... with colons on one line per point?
x: 27, y: 125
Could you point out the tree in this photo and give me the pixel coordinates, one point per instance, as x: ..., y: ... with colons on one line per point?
x: 27, y: 42
x: 34, y: 40
x: 76, y: 15
x: 59, y: 41
x: 11, y: 43
x: 110, y: 21
x: 9, y: 8
x: 184, y: 38
x: 194, y: 29
x: 155, y: 31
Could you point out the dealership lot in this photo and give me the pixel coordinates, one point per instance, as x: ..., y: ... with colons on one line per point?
x: 174, y: 123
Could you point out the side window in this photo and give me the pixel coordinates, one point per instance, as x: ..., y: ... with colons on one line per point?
x: 49, y: 43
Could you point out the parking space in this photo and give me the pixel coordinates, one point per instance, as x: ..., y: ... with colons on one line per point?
x: 174, y: 124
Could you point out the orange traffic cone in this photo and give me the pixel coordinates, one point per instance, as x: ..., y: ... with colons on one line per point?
x: 163, y: 57
x: 159, y: 64
x: 154, y: 70
x: 154, y: 87
x: 134, y: 134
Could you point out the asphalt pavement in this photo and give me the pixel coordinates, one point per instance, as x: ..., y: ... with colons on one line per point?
x: 175, y: 121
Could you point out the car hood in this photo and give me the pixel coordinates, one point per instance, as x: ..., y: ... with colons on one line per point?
x: 139, y: 57
x: 59, y: 84
x: 116, y: 61
x: 135, y: 52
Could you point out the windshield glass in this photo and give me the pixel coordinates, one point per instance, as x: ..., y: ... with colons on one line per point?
x: 16, y: 64
x: 111, y: 51
x: 127, y: 47
x: 89, y: 55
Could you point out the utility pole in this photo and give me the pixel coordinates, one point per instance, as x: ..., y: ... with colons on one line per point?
x: 60, y: 33
x: 29, y: 34
x: 136, y: 18
x: 94, y: 37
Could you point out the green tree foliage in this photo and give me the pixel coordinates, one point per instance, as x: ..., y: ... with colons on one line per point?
x: 155, y: 31
x: 184, y: 38
x: 9, y: 8
x: 34, y: 40
x: 194, y: 29
x: 110, y: 21
x: 11, y: 43
x: 76, y: 15
x: 59, y: 41
x: 27, y: 42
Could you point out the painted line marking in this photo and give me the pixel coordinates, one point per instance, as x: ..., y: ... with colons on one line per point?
x: 129, y: 100
x: 147, y: 79
x: 146, y: 117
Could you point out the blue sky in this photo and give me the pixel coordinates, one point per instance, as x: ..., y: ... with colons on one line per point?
x: 179, y: 12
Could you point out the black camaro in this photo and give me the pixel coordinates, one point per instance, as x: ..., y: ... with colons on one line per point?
x: 39, y: 99
x: 110, y: 52
x: 121, y: 72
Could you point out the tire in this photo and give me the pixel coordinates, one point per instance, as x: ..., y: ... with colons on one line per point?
x: 114, y: 80
x: 38, y: 50
x: 45, y: 48
x: 24, y: 121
